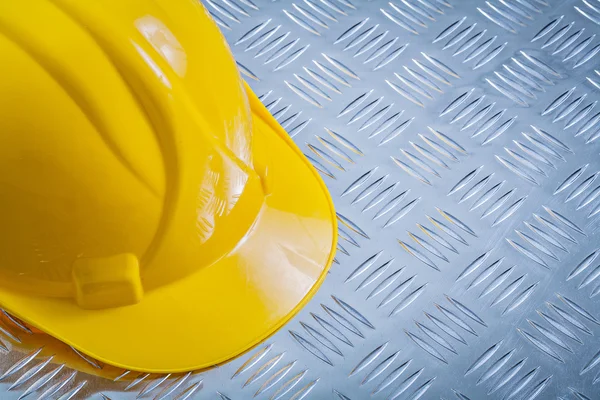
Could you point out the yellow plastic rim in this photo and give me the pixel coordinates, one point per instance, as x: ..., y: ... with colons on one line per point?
x: 227, y: 308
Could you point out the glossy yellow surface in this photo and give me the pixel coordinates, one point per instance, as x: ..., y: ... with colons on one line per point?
x: 154, y: 214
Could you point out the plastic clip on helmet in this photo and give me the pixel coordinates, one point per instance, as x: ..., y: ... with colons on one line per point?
x: 154, y: 215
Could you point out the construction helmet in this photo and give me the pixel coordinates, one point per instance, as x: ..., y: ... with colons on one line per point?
x: 154, y: 214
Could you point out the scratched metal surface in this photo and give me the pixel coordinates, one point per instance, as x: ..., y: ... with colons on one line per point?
x: 459, y: 140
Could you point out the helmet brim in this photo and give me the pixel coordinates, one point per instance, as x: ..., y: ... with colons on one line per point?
x: 229, y: 307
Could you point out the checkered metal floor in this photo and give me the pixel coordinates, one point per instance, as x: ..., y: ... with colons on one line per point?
x: 459, y: 140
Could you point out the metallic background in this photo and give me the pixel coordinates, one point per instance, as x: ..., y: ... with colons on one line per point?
x: 459, y: 140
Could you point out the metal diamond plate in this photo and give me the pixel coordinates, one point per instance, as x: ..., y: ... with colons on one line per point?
x: 460, y: 142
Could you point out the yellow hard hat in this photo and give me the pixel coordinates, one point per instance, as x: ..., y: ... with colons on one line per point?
x: 153, y: 213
